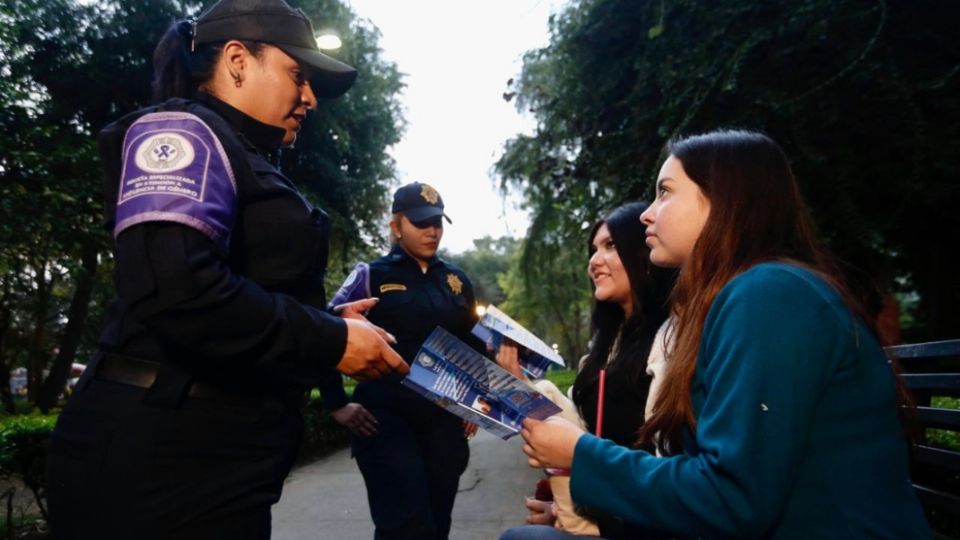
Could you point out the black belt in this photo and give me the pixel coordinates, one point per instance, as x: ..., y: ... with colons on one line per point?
x: 143, y: 373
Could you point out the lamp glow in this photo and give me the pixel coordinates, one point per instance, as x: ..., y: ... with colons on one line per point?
x: 328, y: 42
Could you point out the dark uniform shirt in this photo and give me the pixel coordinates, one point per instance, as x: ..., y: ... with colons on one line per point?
x: 219, y: 313
x: 244, y: 307
x: 412, y: 304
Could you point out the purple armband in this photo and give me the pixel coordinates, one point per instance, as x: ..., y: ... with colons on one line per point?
x: 355, y: 287
x: 175, y: 169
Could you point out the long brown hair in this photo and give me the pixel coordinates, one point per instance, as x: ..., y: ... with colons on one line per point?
x: 756, y: 214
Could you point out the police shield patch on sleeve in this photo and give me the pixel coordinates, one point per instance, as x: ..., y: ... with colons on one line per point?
x: 175, y: 169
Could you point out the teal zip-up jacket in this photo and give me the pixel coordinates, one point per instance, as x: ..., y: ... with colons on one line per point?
x: 797, y: 432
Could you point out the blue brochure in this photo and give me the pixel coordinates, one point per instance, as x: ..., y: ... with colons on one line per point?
x: 451, y: 374
x: 535, y: 355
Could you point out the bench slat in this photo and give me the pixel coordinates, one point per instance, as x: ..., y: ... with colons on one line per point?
x: 932, y: 381
x: 935, y: 368
x: 938, y: 499
x: 938, y: 457
x: 933, y: 417
x: 950, y: 347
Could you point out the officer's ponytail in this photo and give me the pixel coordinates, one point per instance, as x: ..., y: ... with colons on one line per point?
x: 179, y: 71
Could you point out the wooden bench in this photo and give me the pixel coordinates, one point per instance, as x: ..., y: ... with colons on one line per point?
x: 932, y: 372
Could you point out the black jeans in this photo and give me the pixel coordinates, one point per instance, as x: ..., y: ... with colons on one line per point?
x: 119, y: 468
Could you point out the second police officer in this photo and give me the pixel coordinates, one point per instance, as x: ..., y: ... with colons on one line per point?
x: 411, y: 452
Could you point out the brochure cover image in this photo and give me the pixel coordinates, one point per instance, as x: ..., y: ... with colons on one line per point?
x: 535, y: 355
x: 451, y: 374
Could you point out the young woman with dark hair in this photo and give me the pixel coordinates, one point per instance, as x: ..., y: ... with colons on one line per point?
x: 779, y: 405
x: 625, y: 320
x: 631, y: 306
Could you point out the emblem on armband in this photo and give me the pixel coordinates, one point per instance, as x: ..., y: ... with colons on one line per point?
x: 164, y: 152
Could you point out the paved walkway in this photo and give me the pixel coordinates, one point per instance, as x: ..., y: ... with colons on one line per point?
x: 326, y: 500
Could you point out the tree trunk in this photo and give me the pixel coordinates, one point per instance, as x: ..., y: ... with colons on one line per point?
x: 73, y: 331
x: 6, y: 395
x: 35, y: 350
x: 942, y: 295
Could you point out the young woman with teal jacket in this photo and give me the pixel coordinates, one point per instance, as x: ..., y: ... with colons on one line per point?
x: 778, y: 414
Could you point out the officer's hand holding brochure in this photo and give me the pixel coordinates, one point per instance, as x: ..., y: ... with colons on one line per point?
x: 451, y: 374
x: 535, y: 355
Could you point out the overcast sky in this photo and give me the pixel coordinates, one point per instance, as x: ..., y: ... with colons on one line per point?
x: 457, y: 56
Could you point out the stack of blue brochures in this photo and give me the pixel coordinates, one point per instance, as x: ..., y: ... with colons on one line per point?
x: 453, y: 375
x: 535, y: 355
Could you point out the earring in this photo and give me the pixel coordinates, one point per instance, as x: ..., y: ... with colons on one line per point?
x: 237, y: 80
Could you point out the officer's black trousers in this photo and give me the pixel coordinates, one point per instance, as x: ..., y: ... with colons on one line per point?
x: 121, y: 469
x: 412, y: 467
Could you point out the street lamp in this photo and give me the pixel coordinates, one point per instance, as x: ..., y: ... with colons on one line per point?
x: 480, y: 310
x: 328, y: 42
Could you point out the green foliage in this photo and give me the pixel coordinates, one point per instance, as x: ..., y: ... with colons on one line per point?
x: 942, y: 437
x: 860, y: 93
x: 67, y: 68
x: 484, y: 264
x: 563, y: 378
x: 943, y: 522
x: 23, y: 443
x: 341, y: 159
x: 551, y: 297
x: 23, y: 451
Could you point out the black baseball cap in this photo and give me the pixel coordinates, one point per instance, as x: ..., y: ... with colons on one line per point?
x: 276, y: 23
x: 419, y: 202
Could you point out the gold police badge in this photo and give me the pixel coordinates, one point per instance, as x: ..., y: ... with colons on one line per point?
x: 455, y: 284
x: 429, y: 194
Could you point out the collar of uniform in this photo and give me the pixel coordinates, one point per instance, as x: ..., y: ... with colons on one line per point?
x: 397, y: 254
x: 266, y: 138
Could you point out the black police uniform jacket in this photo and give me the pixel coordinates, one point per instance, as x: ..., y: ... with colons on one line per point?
x: 241, y: 306
x: 412, y: 304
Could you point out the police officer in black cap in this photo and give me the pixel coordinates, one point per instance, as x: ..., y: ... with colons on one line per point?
x: 187, y: 421
x: 410, y: 451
